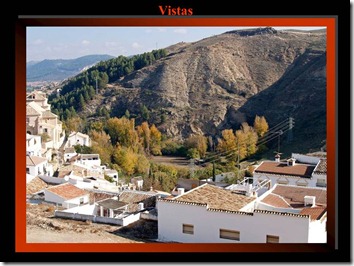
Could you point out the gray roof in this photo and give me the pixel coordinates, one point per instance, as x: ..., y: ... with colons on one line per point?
x: 111, y: 204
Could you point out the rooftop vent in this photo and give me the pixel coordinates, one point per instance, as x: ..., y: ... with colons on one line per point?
x: 309, y: 200
x: 291, y: 162
x: 180, y: 191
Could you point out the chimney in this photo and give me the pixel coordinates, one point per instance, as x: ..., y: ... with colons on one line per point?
x: 291, y: 162
x: 310, y: 200
x: 277, y: 158
x: 141, y: 206
x: 180, y: 191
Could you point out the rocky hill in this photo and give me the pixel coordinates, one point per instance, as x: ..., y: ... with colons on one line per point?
x: 224, y: 80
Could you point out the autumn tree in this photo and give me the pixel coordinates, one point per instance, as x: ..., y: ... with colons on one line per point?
x: 155, y: 140
x: 144, y: 136
x: 74, y: 124
x: 246, y: 139
x: 101, y: 144
x: 260, y: 125
x: 126, y: 158
x: 122, y: 131
x: 197, y: 142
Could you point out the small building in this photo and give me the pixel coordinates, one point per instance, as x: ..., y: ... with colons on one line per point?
x: 78, y: 138
x: 33, y: 145
x: 69, y: 153
x: 111, y: 173
x: 89, y: 160
x: 286, y: 173
x: 138, y: 182
x: 66, y: 195
x: 36, y: 165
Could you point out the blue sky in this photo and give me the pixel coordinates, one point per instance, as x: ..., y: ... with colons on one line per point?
x: 72, y: 42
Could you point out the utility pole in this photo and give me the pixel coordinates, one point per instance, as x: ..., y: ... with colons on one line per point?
x: 290, y: 133
x: 238, y: 160
x: 213, y: 171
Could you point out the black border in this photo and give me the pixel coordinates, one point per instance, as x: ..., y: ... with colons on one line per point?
x: 201, y: 8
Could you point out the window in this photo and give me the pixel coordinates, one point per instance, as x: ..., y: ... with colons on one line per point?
x: 188, y: 229
x: 272, y: 239
x: 81, y: 201
x: 46, y: 130
x: 27, y: 170
x: 230, y: 234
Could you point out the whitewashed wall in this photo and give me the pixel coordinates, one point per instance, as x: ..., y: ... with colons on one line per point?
x: 293, y: 181
x: 305, y: 158
x: 253, y: 228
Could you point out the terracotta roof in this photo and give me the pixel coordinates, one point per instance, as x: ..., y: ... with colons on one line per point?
x: 133, y: 196
x: 34, y: 160
x: 315, y: 212
x: 321, y: 167
x: 276, y: 201
x: 282, y: 213
x: 281, y: 168
x: 216, y: 198
x: 35, y: 185
x: 98, y: 196
x: 294, y: 196
x: 67, y: 191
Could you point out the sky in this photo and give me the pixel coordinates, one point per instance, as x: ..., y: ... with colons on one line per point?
x: 73, y: 42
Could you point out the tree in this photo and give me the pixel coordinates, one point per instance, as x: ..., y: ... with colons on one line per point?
x: 260, y: 125
x: 101, y: 144
x: 122, y: 131
x: 74, y: 124
x: 155, y: 140
x: 144, y: 136
x: 227, y: 142
x: 193, y: 153
x: 198, y: 142
x: 145, y: 113
x: 127, y: 114
x: 126, y: 159
x: 81, y: 102
x: 247, y: 139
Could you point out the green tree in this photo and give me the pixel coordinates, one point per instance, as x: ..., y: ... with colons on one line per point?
x: 145, y: 113
x: 81, y: 102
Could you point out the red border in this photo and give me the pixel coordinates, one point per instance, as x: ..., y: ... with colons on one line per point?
x: 20, y: 187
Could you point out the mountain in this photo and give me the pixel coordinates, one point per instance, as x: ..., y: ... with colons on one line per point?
x: 60, y: 69
x: 221, y: 81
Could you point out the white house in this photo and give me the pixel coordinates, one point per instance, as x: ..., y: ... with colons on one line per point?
x: 33, y: 145
x: 89, y: 160
x: 209, y: 214
x: 76, y: 138
x: 287, y: 173
x: 111, y: 173
x: 66, y: 195
x: 36, y: 165
x: 69, y: 153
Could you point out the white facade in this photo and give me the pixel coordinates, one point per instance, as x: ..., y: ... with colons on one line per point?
x: 285, y: 180
x: 33, y: 145
x: 111, y: 173
x: 68, y: 154
x: 89, y: 160
x: 36, y: 165
x: 67, y: 203
x: 76, y: 138
x: 252, y: 227
x: 302, y: 158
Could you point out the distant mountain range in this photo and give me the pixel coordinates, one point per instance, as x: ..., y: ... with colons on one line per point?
x: 61, y: 69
